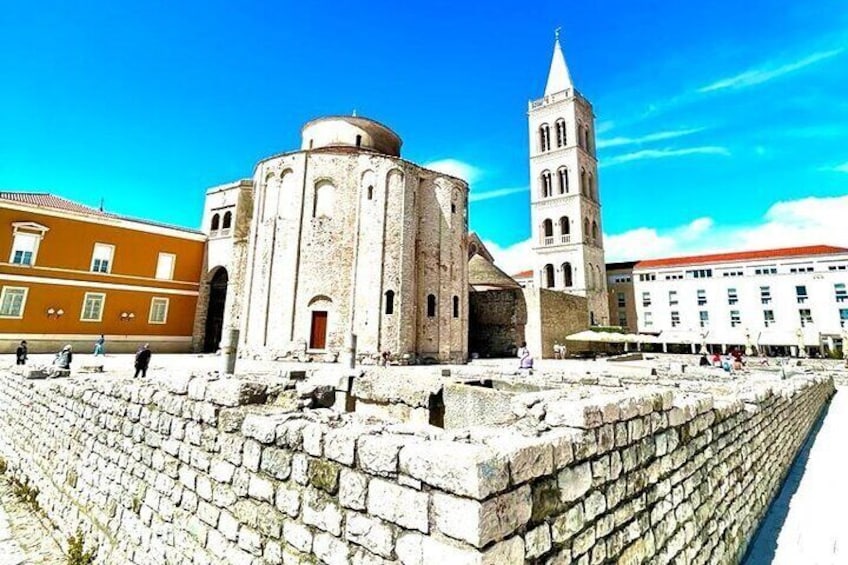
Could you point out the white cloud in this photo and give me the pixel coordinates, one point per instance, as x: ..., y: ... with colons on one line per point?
x: 497, y: 193
x: 754, y: 77
x: 807, y: 221
x: 843, y: 168
x: 664, y: 153
x: 456, y: 168
x: 657, y: 136
x: 603, y: 127
x: 513, y: 258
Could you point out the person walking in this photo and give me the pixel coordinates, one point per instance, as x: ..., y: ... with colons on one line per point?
x: 525, y: 360
x: 142, y: 360
x: 21, y: 353
x: 99, y: 346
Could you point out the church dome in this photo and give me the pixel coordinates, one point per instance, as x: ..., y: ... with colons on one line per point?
x: 350, y: 132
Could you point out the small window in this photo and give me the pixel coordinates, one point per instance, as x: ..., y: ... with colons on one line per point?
x: 843, y: 320
x: 453, y: 208
x: 622, y: 301
x: 567, y: 275
x: 735, y: 318
x: 840, y: 292
x: 768, y: 318
x: 702, y: 297
x: 431, y: 305
x: 765, y: 294
x: 12, y: 302
x: 165, y: 266
x: 216, y: 222
x: 646, y: 299
x: 622, y: 319
x: 704, y: 317
x: 158, y: 310
x: 806, y: 317
x: 228, y: 221
x: 456, y: 307
x: 672, y: 297
x: 370, y: 193
x: 675, y: 319
x: 359, y: 141
x: 23, y: 249
x: 390, y: 302
x: 101, y: 259
x: 649, y: 319
x: 801, y: 294
x: 732, y: 296
x: 92, y: 307
x: 548, y: 273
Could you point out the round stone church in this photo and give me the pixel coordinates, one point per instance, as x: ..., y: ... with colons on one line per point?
x: 342, y: 237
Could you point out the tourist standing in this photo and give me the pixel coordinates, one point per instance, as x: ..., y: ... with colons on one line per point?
x: 62, y: 361
x: 142, y: 360
x: 526, y: 361
x: 99, y: 346
x: 21, y: 353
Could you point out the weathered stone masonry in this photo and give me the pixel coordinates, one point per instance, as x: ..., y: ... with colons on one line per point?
x: 188, y: 470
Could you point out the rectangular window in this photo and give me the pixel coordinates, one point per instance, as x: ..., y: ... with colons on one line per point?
x: 840, y: 293
x: 765, y: 271
x: 700, y: 273
x: 101, y: 259
x: 765, y: 294
x: 12, y: 301
x: 649, y: 319
x: 675, y: 319
x: 806, y: 317
x: 622, y: 302
x: 843, y: 320
x: 837, y: 268
x: 702, y: 297
x: 23, y: 249
x: 646, y: 299
x: 768, y: 318
x: 158, y: 310
x: 732, y: 274
x: 622, y: 320
x: 794, y: 270
x: 672, y: 297
x: 648, y: 277
x: 165, y: 266
x: 735, y: 319
x: 732, y: 297
x: 92, y: 307
x: 801, y: 294
x: 705, y: 318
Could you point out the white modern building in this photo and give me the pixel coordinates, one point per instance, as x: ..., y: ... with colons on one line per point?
x: 782, y: 301
x: 565, y: 205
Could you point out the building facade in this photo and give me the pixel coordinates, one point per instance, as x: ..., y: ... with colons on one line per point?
x: 70, y: 273
x: 568, y: 249
x: 622, y: 305
x: 344, y: 237
x: 780, y: 301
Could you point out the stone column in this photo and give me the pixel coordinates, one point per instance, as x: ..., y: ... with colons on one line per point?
x: 349, y: 353
x: 229, y: 349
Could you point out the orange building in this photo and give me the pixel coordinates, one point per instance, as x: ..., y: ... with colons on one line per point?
x: 69, y: 273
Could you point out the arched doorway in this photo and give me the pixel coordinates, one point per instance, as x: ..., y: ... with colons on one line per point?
x: 215, y: 311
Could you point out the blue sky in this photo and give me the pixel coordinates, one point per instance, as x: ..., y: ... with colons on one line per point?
x: 719, y: 125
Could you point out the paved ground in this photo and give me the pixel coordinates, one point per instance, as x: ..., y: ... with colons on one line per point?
x: 808, y: 522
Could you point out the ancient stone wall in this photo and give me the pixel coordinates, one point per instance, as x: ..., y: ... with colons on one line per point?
x: 496, y: 320
x: 551, y: 316
x: 193, y: 470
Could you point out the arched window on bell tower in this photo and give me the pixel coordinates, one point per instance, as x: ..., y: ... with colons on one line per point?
x: 562, y: 176
x: 560, y: 132
x: 548, y: 273
x: 547, y: 189
x: 544, y: 138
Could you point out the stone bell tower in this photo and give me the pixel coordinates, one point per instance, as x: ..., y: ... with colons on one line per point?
x: 568, y: 248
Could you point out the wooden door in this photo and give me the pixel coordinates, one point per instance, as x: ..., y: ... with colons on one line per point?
x: 318, y: 337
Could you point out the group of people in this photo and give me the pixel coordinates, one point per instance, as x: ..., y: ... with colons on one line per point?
x: 731, y: 363
x: 62, y: 360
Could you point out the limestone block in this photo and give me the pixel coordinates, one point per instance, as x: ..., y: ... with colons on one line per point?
x: 574, y: 481
x: 251, y: 455
x: 568, y: 524
x: 313, y: 439
x: 528, y: 457
x: 222, y: 471
x: 320, y: 511
x: 340, y: 443
x: 276, y: 462
x: 594, y: 505
x: 378, y: 454
x: 537, y: 541
x: 228, y: 525
x: 231, y: 419
x: 574, y: 413
x: 353, y: 489
x: 479, y: 523
x: 371, y: 533
x: 399, y: 505
x: 288, y: 499
x: 324, y: 475
x: 330, y: 550
x: 260, y: 488
x: 463, y: 469
x: 269, y: 522
x: 235, y: 392
x: 261, y: 427
x: 298, y: 536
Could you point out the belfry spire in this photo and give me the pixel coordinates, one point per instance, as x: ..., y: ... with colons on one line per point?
x: 559, y: 78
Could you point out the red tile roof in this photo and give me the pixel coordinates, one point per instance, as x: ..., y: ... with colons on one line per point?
x: 46, y: 200
x: 784, y: 253
x: 523, y: 275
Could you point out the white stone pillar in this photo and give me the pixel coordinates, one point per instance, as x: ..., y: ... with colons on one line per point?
x: 229, y: 349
